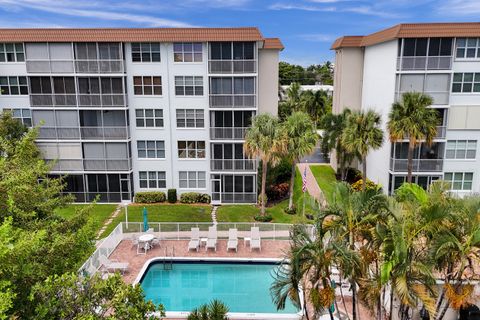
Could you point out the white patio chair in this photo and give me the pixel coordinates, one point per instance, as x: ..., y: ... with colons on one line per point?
x: 194, y: 242
x: 211, y: 238
x: 255, y: 240
x: 113, y: 265
x: 232, y: 240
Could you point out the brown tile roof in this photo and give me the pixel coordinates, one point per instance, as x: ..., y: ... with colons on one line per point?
x: 273, y: 43
x: 130, y: 34
x: 412, y: 30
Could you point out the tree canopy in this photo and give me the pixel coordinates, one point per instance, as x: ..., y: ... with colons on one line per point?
x: 322, y: 73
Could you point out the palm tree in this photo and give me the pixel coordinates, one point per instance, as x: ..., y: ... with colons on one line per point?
x: 292, y: 100
x: 362, y: 134
x: 215, y: 310
x: 301, y: 139
x: 263, y: 140
x: 412, y: 119
x: 316, y: 104
x: 333, y: 126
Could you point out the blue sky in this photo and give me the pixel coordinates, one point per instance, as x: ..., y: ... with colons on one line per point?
x: 306, y: 27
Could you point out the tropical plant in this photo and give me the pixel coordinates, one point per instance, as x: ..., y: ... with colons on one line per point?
x: 263, y: 140
x: 361, y: 135
x: 316, y: 104
x: 215, y: 310
x: 411, y: 119
x: 300, y: 139
x: 333, y: 126
x: 292, y: 101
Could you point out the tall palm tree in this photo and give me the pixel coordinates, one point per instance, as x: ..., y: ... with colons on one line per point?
x: 301, y: 139
x: 333, y: 126
x: 412, y: 119
x: 362, y: 134
x: 214, y: 310
x: 263, y: 140
x: 316, y: 104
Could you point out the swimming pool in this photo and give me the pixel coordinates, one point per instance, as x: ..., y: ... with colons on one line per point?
x: 243, y: 285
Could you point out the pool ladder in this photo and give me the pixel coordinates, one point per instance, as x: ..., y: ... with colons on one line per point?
x: 168, y: 260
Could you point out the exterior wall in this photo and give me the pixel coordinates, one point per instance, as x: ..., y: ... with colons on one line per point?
x: 268, y: 81
x: 378, y: 94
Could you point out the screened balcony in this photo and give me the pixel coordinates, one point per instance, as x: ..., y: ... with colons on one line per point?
x: 101, y: 92
x: 425, y: 158
x: 232, y: 58
x: 52, y: 92
x: 425, y: 54
x: 232, y: 92
x: 99, y: 58
x: 233, y: 165
x: 436, y: 85
x: 229, y: 125
x: 104, y: 125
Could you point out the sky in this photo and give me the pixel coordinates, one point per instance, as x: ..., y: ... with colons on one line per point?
x: 306, y: 27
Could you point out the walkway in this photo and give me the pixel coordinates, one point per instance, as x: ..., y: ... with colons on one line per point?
x: 312, y: 185
x: 109, y: 220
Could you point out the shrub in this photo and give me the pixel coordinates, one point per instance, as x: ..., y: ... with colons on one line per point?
x: 290, y: 211
x: 265, y: 218
x: 353, y: 175
x: 278, y: 192
x: 172, y: 195
x: 194, y: 197
x: 357, y: 186
x: 150, y: 197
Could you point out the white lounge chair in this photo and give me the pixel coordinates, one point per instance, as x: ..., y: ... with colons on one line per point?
x: 211, y: 238
x: 232, y: 240
x: 194, y: 242
x: 113, y: 265
x: 255, y: 240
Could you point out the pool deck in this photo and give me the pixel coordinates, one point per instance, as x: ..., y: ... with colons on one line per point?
x: 127, y: 252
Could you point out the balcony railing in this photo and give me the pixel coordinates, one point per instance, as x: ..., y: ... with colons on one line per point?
x: 54, y: 100
x: 233, y: 165
x: 228, y: 133
x: 56, y: 133
x: 424, y: 63
x: 49, y: 66
x: 107, y: 164
x: 232, y: 66
x: 101, y: 100
x: 107, y: 133
x: 419, y: 165
x: 67, y: 164
x: 232, y: 101
x: 99, y: 66
x: 235, y: 197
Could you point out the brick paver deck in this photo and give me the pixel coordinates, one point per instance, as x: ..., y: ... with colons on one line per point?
x: 126, y: 252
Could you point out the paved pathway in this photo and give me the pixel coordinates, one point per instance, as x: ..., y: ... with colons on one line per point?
x: 214, y: 214
x: 312, y: 185
x: 109, y: 220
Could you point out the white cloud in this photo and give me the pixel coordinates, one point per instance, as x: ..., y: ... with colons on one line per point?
x: 289, y: 6
x: 95, y: 11
x: 217, y: 3
x: 460, y: 7
x: 317, y: 37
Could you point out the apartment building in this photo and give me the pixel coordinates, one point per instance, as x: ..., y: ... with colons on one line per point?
x: 128, y: 110
x: 439, y: 59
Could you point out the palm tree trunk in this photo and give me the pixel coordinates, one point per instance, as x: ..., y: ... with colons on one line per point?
x: 364, y: 169
x: 292, y: 181
x: 352, y: 281
x: 264, y: 182
x: 343, y: 299
x: 391, y: 303
x: 341, y: 165
x: 410, y: 160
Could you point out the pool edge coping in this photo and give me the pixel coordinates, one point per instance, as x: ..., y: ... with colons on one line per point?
x: 231, y: 315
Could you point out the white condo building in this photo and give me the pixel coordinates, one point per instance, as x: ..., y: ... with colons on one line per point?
x: 128, y: 110
x: 439, y: 59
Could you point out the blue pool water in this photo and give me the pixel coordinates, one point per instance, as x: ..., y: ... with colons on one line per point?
x: 243, y: 287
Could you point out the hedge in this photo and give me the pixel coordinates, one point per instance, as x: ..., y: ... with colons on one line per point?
x: 150, y: 197
x: 194, y: 197
x: 172, y: 195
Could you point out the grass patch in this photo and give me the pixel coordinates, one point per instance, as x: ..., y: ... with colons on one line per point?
x: 163, y: 213
x: 325, y: 176
x: 99, y: 214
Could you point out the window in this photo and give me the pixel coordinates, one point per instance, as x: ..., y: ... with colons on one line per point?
x: 97, y: 51
x: 229, y: 50
x: 467, y: 48
x: 147, y: 85
x: 12, y: 52
x: 236, y: 85
x: 24, y: 115
x: 146, y: 52
x: 190, y: 118
x: 149, y: 118
x: 466, y: 82
x: 192, y: 179
x: 13, y: 85
x: 152, y: 179
x: 459, y: 180
x: 191, y: 149
x: 151, y: 149
x: 461, y: 149
x: 187, y: 52
x: 188, y: 86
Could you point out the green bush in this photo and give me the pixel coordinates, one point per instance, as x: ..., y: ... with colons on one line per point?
x: 266, y: 218
x: 357, y: 186
x: 150, y: 197
x: 172, y: 195
x: 194, y: 197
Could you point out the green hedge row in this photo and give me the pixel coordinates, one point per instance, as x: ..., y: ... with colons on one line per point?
x: 150, y: 197
x: 194, y: 197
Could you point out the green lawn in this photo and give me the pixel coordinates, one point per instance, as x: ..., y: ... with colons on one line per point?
x: 325, y: 176
x: 99, y: 214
